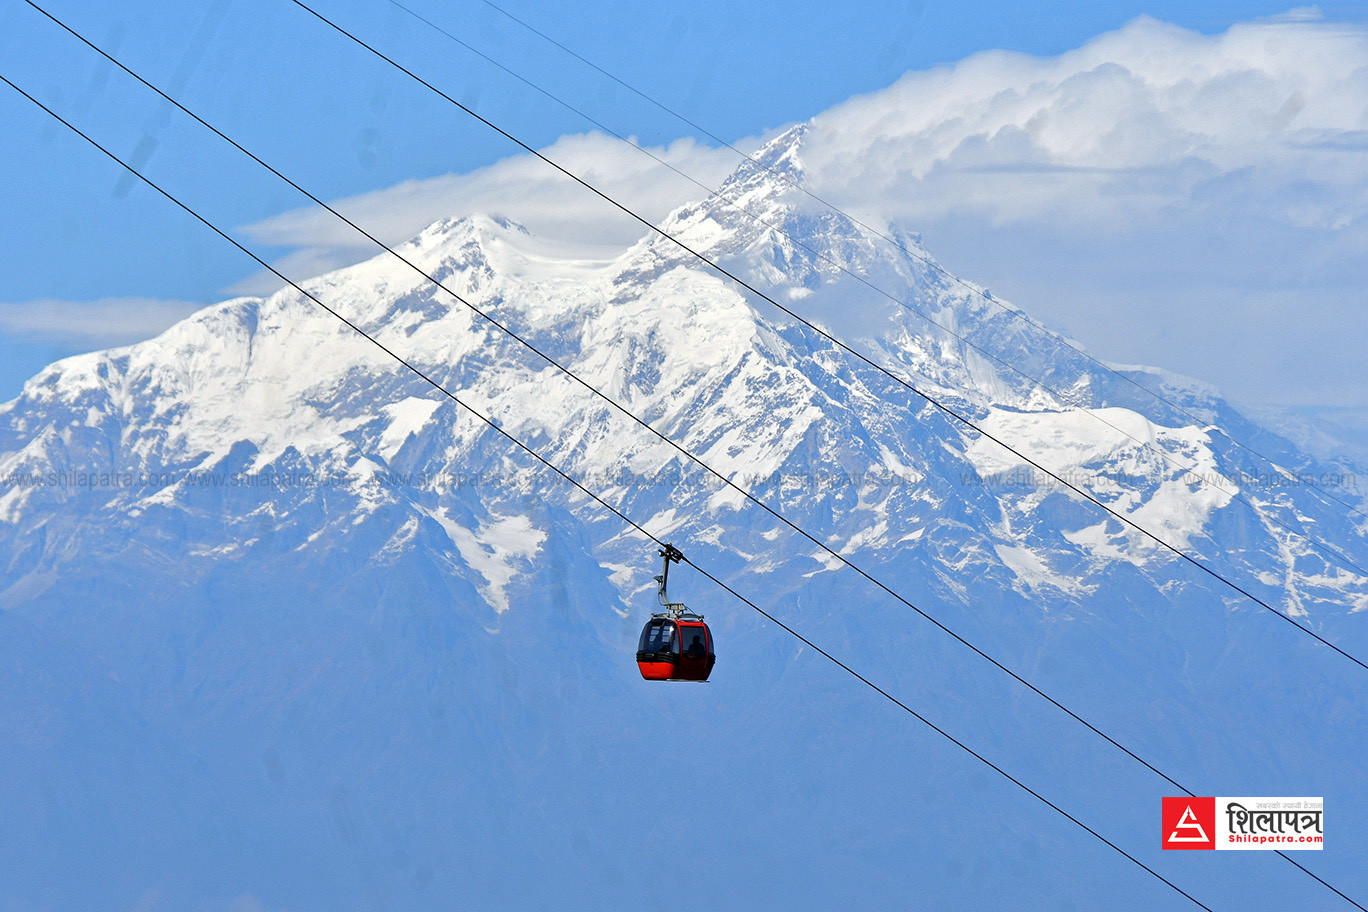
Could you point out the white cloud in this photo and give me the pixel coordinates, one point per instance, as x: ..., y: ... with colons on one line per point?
x: 105, y: 323
x: 1196, y: 202
x: 521, y: 188
x: 1135, y: 122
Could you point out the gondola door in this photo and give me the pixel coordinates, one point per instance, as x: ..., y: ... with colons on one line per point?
x: 696, y: 653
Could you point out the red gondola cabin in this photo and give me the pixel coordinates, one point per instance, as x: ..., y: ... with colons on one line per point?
x: 675, y: 650
x: 675, y: 644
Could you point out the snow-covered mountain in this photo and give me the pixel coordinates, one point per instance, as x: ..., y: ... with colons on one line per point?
x: 281, y: 626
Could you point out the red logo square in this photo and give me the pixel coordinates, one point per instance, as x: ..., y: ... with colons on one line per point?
x: 1189, y: 823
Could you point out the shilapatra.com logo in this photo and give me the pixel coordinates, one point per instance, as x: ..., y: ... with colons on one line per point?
x: 1243, y: 823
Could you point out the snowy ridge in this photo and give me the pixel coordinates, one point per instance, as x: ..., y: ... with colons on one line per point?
x: 728, y: 378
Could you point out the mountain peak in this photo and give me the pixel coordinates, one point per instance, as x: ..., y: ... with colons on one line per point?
x: 761, y: 204
x: 777, y: 161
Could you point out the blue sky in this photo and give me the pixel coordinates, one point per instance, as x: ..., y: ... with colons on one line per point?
x: 92, y: 259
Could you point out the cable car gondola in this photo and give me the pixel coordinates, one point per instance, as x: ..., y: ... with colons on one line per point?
x: 675, y: 644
